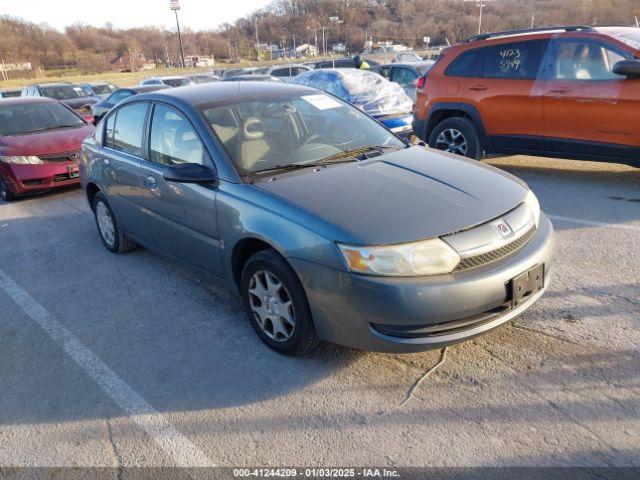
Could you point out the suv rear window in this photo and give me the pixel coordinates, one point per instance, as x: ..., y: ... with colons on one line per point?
x: 467, y: 64
x: 514, y: 60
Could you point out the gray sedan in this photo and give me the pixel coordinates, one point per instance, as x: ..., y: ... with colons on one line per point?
x: 329, y: 225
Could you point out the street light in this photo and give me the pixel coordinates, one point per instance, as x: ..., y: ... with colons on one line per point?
x: 481, y: 5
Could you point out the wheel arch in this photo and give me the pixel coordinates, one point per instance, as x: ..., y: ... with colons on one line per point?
x: 243, y: 250
x: 444, y: 110
x: 91, y: 190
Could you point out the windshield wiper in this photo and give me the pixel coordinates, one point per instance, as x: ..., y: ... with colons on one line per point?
x: 300, y: 166
x: 350, y: 155
x: 51, y: 127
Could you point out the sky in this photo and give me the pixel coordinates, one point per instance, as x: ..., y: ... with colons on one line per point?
x: 194, y: 14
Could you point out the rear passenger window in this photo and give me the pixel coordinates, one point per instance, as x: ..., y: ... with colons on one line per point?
x: 514, y: 60
x: 173, y: 139
x: 124, y: 128
x: 280, y: 72
x: 468, y: 64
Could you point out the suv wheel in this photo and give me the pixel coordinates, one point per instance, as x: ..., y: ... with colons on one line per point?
x: 5, y: 193
x: 112, y: 237
x: 276, y: 304
x: 457, y: 135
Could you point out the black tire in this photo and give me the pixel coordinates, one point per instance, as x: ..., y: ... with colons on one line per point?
x: 120, y: 242
x: 473, y: 148
x: 5, y: 193
x: 303, y: 337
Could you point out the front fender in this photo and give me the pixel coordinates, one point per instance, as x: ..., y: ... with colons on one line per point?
x: 243, y: 214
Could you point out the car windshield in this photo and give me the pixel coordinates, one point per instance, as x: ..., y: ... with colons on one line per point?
x: 64, y: 92
x: 35, y: 117
x: 177, y: 82
x: 294, y: 131
x: 631, y: 39
x: 103, y: 89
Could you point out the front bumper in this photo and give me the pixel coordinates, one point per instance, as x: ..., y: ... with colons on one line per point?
x: 25, y: 179
x: 358, y: 311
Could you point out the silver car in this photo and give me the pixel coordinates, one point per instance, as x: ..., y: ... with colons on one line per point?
x: 329, y: 225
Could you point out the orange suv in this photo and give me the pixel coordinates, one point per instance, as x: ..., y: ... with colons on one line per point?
x: 569, y: 92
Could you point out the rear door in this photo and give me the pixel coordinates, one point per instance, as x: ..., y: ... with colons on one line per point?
x: 182, y: 216
x: 507, y: 94
x: 589, y: 110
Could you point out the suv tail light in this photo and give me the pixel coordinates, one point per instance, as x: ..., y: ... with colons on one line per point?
x: 421, y: 81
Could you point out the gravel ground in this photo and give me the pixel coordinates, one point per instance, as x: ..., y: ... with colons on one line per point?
x: 134, y: 360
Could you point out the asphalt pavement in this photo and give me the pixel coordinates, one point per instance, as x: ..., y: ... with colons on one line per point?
x: 134, y: 360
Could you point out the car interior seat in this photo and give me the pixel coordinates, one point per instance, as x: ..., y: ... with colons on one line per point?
x: 253, y: 146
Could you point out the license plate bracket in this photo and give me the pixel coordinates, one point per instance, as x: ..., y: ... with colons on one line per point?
x: 526, y: 284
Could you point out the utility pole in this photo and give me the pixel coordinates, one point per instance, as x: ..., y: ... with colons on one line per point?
x: 324, y: 45
x: 175, y: 6
x: 533, y: 18
x: 481, y: 5
x: 257, y: 38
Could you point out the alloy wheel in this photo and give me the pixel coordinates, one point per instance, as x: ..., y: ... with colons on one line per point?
x: 105, y: 223
x: 271, y: 306
x: 452, y: 140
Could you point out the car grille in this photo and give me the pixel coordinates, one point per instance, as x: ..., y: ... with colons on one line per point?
x: 497, y: 254
x: 60, y: 157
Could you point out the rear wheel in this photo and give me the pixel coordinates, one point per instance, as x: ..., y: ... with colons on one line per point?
x: 5, y: 193
x: 112, y: 237
x: 276, y: 304
x: 457, y: 135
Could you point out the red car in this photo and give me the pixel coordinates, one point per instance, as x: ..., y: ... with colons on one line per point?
x: 39, y: 146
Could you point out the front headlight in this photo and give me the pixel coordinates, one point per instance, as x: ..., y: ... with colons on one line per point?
x: 428, y: 257
x: 24, y: 160
x: 531, y: 201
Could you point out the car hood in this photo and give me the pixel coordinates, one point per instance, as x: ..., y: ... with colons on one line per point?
x: 408, y: 195
x: 44, y: 143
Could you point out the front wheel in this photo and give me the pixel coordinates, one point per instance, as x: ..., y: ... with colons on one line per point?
x: 457, y: 135
x: 276, y: 304
x: 5, y: 193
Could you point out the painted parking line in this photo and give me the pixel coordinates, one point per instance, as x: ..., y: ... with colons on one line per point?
x: 619, y: 226
x: 177, y: 447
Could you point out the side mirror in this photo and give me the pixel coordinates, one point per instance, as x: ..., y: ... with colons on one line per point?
x: 189, y: 173
x: 628, y: 68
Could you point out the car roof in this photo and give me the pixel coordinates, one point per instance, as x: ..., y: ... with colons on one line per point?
x: 53, y: 84
x: 227, y: 92
x: 421, y: 63
x: 19, y: 100
x: 526, y: 34
x: 144, y: 88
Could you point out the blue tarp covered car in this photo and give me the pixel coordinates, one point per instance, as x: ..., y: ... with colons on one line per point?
x: 371, y: 93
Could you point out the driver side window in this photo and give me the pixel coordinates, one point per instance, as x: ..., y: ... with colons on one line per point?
x: 173, y: 138
x: 583, y: 60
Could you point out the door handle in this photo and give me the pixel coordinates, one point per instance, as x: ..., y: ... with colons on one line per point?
x: 151, y: 183
x: 560, y: 91
x: 478, y: 88
x: 106, y: 162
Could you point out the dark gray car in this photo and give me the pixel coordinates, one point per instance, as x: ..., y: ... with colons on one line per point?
x: 330, y: 226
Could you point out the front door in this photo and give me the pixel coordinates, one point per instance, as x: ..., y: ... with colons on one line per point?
x: 122, y: 157
x: 181, y: 216
x: 589, y: 109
